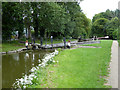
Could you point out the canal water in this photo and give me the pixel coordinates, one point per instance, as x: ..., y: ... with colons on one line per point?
x: 16, y: 65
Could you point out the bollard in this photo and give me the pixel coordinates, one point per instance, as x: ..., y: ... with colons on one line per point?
x: 96, y: 38
x: 41, y: 41
x: 70, y: 38
x: 93, y: 38
x: 52, y: 41
x: 64, y: 42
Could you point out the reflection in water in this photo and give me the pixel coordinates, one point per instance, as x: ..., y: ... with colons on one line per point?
x: 39, y: 55
x: 16, y: 57
x: 33, y: 57
x: 27, y: 55
x: 14, y: 65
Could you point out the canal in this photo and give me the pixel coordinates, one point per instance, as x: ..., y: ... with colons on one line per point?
x: 16, y: 65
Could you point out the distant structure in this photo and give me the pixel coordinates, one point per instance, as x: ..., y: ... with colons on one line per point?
x: 106, y: 37
x: 14, y: 35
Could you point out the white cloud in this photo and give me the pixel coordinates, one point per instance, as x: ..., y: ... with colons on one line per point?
x: 92, y: 7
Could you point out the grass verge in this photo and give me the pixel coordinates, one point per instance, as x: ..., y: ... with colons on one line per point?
x: 13, y: 45
x: 77, y: 68
x: 54, y: 41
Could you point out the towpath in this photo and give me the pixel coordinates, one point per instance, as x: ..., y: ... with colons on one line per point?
x: 113, y: 76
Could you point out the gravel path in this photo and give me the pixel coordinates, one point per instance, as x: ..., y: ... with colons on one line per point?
x: 113, y: 76
x: 85, y: 47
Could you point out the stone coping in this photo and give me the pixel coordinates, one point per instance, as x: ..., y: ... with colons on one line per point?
x: 13, y: 51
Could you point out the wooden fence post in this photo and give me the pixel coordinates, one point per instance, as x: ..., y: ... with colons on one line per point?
x: 52, y: 41
x: 64, y: 42
x: 41, y: 41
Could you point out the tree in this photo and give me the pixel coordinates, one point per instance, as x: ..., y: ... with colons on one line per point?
x: 98, y: 27
x: 11, y: 19
x: 112, y: 28
x: 78, y: 24
x: 27, y: 15
x: 108, y: 15
x: 46, y: 18
x: 52, y: 19
x: 35, y: 13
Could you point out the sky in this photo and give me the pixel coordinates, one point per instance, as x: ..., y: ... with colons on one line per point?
x: 92, y: 7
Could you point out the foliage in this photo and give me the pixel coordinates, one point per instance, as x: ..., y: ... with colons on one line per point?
x: 11, y: 19
x: 98, y: 27
x: 53, y: 19
x: 59, y: 19
x: 115, y: 34
x: 119, y: 35
x: 110, y: 27
x: 108, y: 15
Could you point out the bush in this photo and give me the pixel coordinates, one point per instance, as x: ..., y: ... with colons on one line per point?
x: 115, y: 34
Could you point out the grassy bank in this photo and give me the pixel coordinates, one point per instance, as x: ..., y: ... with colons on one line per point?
x: 77, y: 68
x: 13, y: 45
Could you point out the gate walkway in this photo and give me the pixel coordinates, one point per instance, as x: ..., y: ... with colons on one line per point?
x: 60, y: 45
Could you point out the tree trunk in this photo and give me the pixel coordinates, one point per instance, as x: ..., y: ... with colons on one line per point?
x: 21, y: 29
x: 36, y: 29
x: 36, y: 25
x: 19, y: 34
x: 29, y: 33
x: 42, y: 32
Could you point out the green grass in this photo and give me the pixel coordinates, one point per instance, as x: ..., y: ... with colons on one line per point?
x: 54, y: 41
x: 77, y: 68
x: 13, y: 45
